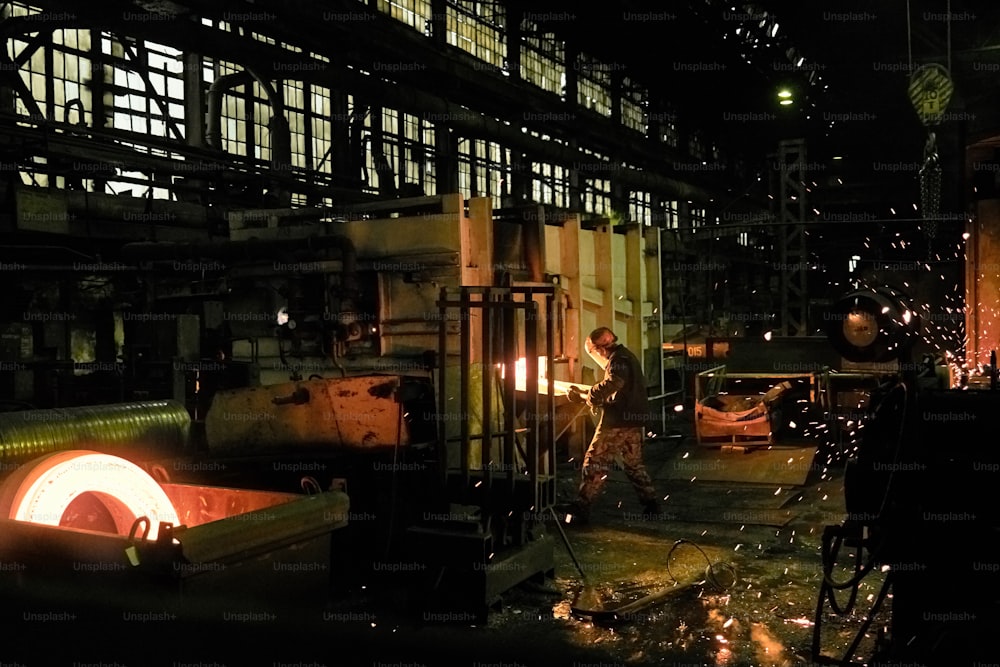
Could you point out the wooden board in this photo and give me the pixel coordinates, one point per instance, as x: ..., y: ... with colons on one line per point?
x: 787, y: 466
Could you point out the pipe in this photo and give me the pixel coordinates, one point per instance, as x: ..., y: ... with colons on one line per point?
x: 281, y: 135
x: 219, y: 87
x: 28, y: 434
x: 280, y: 130
x: 281, y: 144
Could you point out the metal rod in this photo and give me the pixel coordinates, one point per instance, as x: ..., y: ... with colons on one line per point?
x: 487, y: 369
x: 442, y: 386
x: 569, y: 547
x: 550, y: 425
x: 659, y: 337
x: 463, y: 390
x: 510, y: 456
x: 531, y: 393
x: 509, y: 353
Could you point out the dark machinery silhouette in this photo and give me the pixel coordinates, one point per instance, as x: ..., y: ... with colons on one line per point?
x: 919, y: 501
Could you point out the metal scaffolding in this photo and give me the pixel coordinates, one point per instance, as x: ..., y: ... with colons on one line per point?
x: 790, y: 173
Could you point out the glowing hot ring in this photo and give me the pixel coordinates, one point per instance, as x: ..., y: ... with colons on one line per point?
x: 125, y: 489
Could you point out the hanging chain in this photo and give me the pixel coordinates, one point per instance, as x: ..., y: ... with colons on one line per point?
x: 930, y: 189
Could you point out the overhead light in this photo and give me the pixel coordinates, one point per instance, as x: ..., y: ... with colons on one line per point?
x: 837, y: 157
x: 784, y: 93
x: 785, y: 103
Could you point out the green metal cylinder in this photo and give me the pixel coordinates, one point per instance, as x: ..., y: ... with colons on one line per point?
x: 147, y: 427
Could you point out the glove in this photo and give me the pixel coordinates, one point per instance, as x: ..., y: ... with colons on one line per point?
x: 575, y: 396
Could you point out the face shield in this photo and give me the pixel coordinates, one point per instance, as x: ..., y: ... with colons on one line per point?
x: 595, y: 354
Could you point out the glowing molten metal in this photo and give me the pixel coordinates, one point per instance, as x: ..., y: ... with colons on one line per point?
x: 126, y: 491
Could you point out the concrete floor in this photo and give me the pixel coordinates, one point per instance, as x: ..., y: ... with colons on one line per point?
x: 769, y: 532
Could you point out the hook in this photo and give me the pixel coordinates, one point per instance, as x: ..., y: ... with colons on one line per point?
x: 140, y: 521
x: 160, y: 474
x: 131, y: 552
x: 310, y: 485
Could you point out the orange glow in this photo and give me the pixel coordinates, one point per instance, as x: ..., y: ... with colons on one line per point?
x: 805, y: 622
x: 559, y: 387
x: 521, y: 373
x: 124, y: 488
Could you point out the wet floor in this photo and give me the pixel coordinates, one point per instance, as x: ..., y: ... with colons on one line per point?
x: 767, y: 536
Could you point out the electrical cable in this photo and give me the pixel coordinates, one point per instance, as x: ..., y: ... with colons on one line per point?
x: 711, y: 574
x: 869, y: 617
x: 676, y: 544
x: 832, y: 539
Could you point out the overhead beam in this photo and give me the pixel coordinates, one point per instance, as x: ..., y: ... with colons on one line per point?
x: 468, y: 79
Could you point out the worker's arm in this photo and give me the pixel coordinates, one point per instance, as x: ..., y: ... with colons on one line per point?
x: 604, y: 391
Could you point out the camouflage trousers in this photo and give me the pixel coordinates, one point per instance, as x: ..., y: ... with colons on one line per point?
x: 607, y: 445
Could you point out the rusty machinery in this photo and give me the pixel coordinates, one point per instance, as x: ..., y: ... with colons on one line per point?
x: 920, y: 508
x: 456, y: 476
x: 88, y: 530
x: 496, y: 429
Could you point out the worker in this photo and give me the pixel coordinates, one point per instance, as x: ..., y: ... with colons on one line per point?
x: 624, y: 407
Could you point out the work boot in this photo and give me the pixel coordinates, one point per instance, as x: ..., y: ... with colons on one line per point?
x: 651, y: 510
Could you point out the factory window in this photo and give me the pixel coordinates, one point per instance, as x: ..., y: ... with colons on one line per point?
x: 71, y: 76
x: 478, y: 28
x: 597, y: 196
x: 639, y: 208
x: 549, y: 184
x: 593, y: 87
x: 634, y: 103
x: 465, y: 168
x: 248, y: 117
x: 543, y: 59
x: 381, y: 157
x: 743, y: 238
x: 852, y: 263
x: 407, y: 154
x: 359, y: 112
x: 418, y: 155
x: 670, y: 214
x: 33, y: 70
x: 668, y: 132
x: 414, y: 13
x: 234, y: 111
x: 147, y: 97
x: 295, y: 114
x: 321, y: 130
x: 71, y: 72
x: 261, y: 123
x: 697, y: 216
x: 483, y: 169
x: 147, y: 88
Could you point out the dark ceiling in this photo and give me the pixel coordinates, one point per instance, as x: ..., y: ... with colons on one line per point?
x: 850, y: 91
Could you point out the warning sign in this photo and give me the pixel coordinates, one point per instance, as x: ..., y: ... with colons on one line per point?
x: 930, y: 92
